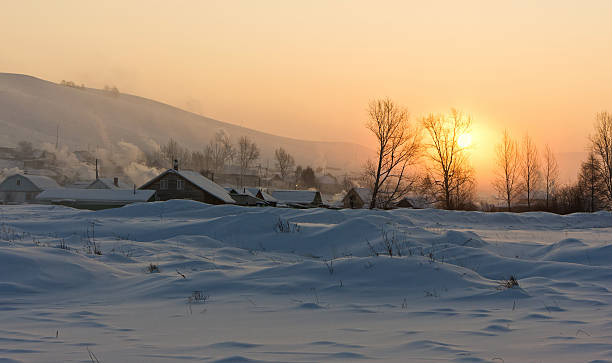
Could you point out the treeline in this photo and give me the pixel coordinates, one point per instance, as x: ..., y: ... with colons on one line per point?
x: 529, y: 180
x: 427, y: 159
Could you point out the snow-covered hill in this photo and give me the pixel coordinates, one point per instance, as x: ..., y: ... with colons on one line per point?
x: 236, y: 284
x: 31, y: 109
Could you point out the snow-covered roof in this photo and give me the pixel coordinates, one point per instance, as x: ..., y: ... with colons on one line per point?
x: 364, y: 193
x: 205, y: 184
x: 295, y: 196
x: 95, y: 195
x: 109, y: 183
x: 42, y: 182
x: 248, y: 191
x: 264, y: 195
x: 39, y: 181
x: 267, y: 197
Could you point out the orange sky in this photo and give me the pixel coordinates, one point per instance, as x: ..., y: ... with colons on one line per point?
x: 308, y: 69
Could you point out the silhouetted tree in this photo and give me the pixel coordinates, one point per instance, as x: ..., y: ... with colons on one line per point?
x: 308, y: 178
x: 398, y: 147
x: 550, y: 171
x: 450, y: 168
x: 284, y: 162
x: 248, y: 153
x: 602, y: 146
x: 591, y: 183
x: 530, y: 168
x: 506, y: 179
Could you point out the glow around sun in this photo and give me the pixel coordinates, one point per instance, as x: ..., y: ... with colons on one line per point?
x: 465, y: 140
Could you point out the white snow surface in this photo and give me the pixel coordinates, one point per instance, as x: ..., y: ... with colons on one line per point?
x: 287, y: 285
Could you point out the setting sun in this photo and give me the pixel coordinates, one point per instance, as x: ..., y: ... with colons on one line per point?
x: 465, y: 140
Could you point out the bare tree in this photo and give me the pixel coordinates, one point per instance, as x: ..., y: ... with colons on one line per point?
x: 506, y: 180
x: 450, y: 170
x: 220, y: 151
x: 602, y: 146
x: 591, y: 183
x: 398, y: 147
x: 530, y: 168
x: 550, y: 170
x: 173, y: 151
x: 284, y: 162
x: 248, y: 153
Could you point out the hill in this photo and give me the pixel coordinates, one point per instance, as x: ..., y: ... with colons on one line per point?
x: 31, y: 109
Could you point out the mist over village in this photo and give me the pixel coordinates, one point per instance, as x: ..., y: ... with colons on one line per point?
x: 306, y: 182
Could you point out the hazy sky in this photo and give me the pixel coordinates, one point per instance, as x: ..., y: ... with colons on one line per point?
x: 308, y: 69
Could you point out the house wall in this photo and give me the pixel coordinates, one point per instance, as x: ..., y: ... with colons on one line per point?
x: 17, y: 197
x: 318, y: 200
x: 189, y: 191
x: 16, y: 190
x: 353, y: 197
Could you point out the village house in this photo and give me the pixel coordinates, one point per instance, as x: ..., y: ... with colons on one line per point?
x: 186, y: 184
x: 23, y: 188
x: 94, y: 199
x: 244, y: 196
x: 263, y: 195
x: 357, y: 198
x: 298, y: 198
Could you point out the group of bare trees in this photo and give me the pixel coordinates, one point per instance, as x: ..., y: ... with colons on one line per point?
x: 402, y: 146
x: 522, y: 174
x: 426, y: 158
x: 217, y: 155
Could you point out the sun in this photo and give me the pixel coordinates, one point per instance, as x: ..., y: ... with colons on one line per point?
x: 465, y: 140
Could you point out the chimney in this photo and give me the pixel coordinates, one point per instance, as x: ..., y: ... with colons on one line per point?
x: 96, y: 169
x: 116, y: 181
x: 176, y: 164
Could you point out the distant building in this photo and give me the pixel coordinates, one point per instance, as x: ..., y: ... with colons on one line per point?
x: 298, y: 198
x: 23, y: 188
x: 263, y: 195
x: 109, y: 183
x: 243, y: 196
x: 357, y: 198
x: 186, y: 184
x: 404, y: 203
x: 94, y: 199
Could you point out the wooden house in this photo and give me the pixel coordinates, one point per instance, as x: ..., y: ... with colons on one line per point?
x: 244, y: 196
x: 263, y: 195
x: 23, y: 188
x: 94, y: 199
x: 357, y: 198
x: 186, y: 184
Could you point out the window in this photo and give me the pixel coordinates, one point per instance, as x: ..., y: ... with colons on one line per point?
x: 18, y: 181
x: 180, y: 184
x: 163, y: 184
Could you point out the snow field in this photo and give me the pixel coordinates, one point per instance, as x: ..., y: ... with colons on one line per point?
x: 287, y: 285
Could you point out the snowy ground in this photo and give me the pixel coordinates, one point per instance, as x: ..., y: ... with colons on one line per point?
x: 282, y: 285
